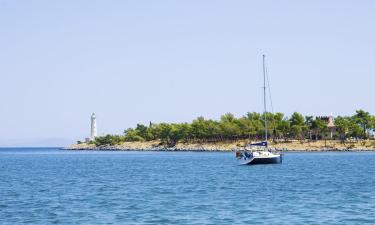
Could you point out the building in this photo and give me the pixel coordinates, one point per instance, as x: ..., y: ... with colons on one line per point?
x: 94, y: 132
x: 329, y: 120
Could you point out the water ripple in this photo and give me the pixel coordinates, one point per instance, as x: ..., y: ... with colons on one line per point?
x: 50, y: 186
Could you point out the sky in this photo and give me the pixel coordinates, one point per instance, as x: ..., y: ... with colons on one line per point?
x: 171, y: 61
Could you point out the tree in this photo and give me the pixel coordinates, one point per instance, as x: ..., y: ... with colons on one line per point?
x: 229, y: 126
x: 319, y: 127
x: 297, y: 124
x: 296, y: 131
x: 246, y: 127
x: 253, y: 116
x: 284, y: 128
x: 271, y: 126
x: 280, y: 126
x: 131, y: 134
x: 185, y: 130
x: 227, y: 118
x: 342, y: 126
x: 163, y: 132
x: 198, y: 128
x: 308, y: 123
x: 297, y: 119
x: 109, y: 140
x: 230, y: 130
x: 363, y: 119
x: 141, y: 130
x: 175, y: 134
x: 355, y: 130
x: 213, y: 130
x: 250, y: 126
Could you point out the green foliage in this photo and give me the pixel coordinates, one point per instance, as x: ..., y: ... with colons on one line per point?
x: 297, y: 119
x: 343, y: 124
x: 308, y: 125
x: 355, y: 130
x: 296, y: 131
x: 109, y: 140
x: 283, y: 128
x: 250, y: 126
x: 163, y: 131
x: 297, y: 125
x: 363, y: 119
x: 132, y: 135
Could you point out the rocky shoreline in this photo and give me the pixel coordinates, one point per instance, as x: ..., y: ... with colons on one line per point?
x: 290, y: 146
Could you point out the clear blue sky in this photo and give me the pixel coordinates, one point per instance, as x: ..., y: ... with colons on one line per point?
x: 136, y: 61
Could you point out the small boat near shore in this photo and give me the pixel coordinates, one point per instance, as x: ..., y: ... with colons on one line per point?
x: 259, y: 153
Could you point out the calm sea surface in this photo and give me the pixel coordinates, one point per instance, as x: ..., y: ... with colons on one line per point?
x: 51, y: 186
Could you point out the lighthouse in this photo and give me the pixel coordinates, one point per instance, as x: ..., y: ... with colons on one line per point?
x: 93, y: 127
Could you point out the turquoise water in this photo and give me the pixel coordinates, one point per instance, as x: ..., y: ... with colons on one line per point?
x: 51, y: 186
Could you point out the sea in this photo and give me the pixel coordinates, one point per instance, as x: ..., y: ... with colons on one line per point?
x: 53, y: 186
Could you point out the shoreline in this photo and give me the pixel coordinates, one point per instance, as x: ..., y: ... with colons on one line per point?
x: 216, y: 151
x: 289, y: 146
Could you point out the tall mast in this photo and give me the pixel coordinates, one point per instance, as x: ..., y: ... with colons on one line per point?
x: 264, y: 98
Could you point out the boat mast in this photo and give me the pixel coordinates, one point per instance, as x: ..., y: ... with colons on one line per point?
x: 264, y: 98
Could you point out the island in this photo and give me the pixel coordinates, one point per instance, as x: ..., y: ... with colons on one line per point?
x: 294, y: 133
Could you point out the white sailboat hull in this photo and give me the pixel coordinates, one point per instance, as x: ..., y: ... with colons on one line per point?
x: 261, y: 158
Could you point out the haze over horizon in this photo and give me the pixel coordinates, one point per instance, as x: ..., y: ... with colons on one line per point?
x: 165, y: 61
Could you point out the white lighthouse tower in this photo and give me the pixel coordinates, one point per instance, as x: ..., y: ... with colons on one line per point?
x: 93, y: 127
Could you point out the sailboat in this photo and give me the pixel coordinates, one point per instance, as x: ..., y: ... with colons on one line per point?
x: 259, y: 153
